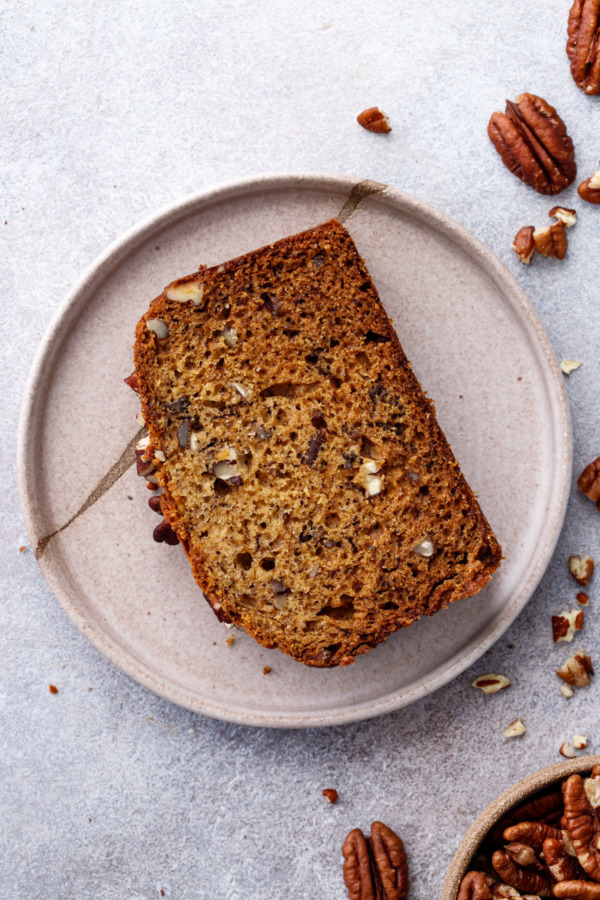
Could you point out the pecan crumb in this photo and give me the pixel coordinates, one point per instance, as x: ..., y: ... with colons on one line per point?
x: 330, y: 795
x: 577, y: 670
x: 569, y: 365
x: 566, y: 750
x: 582, y: 598
x: 582, y: 569
x: 490, y: 684
x: 230, y: 640
x: 22, y: 549
x: 53, y: 689
x: 373, y: 119
x: 515, y: 729
x: 566, y: 624
x: 266, y: 670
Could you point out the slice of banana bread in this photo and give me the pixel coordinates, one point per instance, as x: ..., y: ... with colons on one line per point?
x: 302, y: 467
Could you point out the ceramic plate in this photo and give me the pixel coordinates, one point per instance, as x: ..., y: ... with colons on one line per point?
x: 478, y: 350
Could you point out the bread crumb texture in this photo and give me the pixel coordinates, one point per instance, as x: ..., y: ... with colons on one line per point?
x: 305, y: 474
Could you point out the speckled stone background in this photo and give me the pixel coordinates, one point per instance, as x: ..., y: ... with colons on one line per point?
x: 110, y: 111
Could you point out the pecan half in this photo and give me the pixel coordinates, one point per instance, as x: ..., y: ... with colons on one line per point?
x: 582, y: 799
x: 578, y: 890
x: 532, y: 833
x: 375, y: 868
x: 534, y: 145
x: 524, y: 244
x: 373, y: 119
x: 583, y: 45
x: 589, y: 190
x: 546, y: 808
x: 561, y: 865
x: 524, y: 880
x: 551, y: 240
x: 475, y: 886
x: 589, y: 480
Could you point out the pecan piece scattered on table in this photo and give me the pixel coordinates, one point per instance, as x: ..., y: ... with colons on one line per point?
x: 583, y: 45
x: 551, y: 241
x: 373, y: 119
x: 533, y: 142
x: 589, y: 481
x: 589, y: 190
x: 524, y: 244
x: 375, y: 868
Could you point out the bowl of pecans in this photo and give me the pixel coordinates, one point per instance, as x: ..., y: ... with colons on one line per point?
x: 540, y: 838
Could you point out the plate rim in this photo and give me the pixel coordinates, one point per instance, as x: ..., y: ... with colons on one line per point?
x: 109, y: 260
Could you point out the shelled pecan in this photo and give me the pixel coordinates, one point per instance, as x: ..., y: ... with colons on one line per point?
x: 583, y: 45
x: 375, y: 868
x: 561, y: 865
x: 589, y: 190
x: 534, y: 145
x: 589, y: 481
x: 558, y: 857
x: 526, y: 880
x: 551, y: 240
x: 582, y: 802
x: 578, y: 890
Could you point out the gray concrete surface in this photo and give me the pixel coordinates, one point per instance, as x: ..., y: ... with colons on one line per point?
x: 110, y: 111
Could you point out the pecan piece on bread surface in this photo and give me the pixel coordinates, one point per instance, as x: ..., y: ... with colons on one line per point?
x: 583, y: 45
x: 534, y: 145
x: 375, y: 868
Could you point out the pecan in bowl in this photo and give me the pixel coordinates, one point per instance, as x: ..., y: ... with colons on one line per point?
x: 532, y: 140
x: 537, y: 839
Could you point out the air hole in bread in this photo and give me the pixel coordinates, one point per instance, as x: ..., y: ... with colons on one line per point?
x: 267, y: 564
x: 331, y: 520
x: 389, y: 605
x: 243, y: 561
x: 318, y: 421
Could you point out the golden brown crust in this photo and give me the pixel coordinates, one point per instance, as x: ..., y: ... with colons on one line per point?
x: 312, y: 345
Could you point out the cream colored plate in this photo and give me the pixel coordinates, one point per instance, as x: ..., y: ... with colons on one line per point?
x: 475, y: 344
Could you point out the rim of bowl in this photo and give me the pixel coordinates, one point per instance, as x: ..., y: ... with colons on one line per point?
x: 486, y: 820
